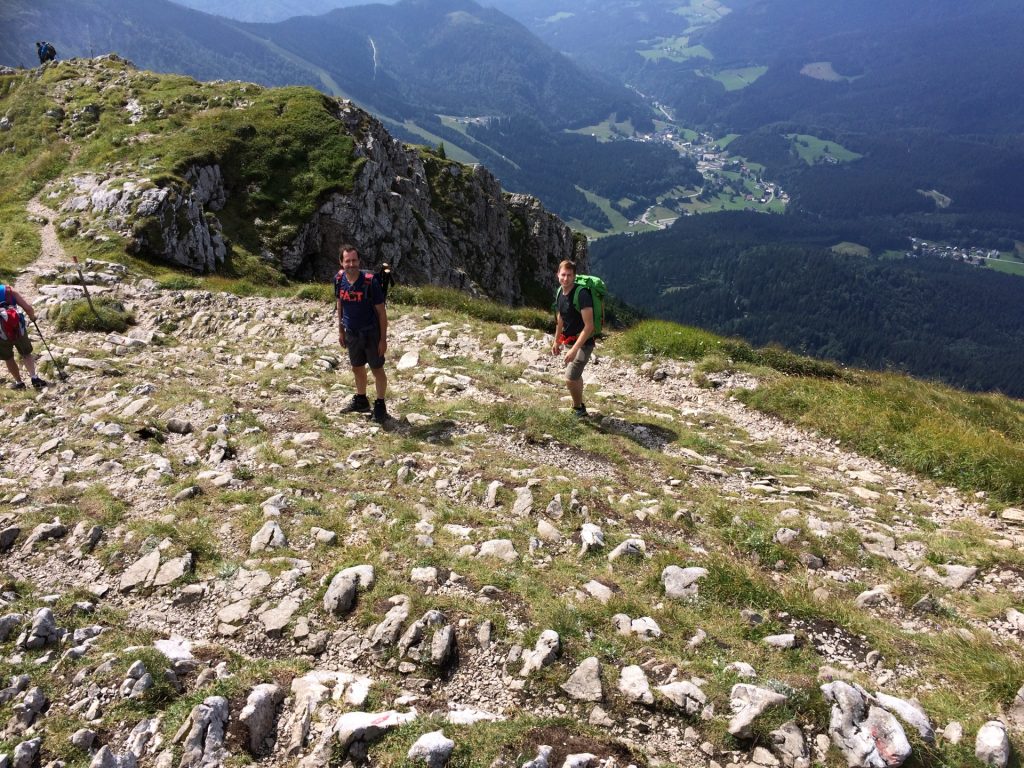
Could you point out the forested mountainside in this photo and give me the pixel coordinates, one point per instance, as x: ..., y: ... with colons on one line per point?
x: 776, y: 280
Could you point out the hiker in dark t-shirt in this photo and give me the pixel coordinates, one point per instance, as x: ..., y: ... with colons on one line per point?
x: 574, y: 329
x: 363, y: 331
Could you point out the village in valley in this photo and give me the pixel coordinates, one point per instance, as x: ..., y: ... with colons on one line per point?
x: 730, y: 182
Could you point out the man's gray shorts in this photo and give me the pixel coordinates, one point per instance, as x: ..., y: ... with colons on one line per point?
x: 574, y: 370
x: 362, y: 348
x: 22, y: 344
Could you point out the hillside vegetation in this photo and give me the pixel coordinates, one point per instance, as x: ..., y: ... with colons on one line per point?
x: 215, y: 498
x: 776, y: 280
x: 258, y: 136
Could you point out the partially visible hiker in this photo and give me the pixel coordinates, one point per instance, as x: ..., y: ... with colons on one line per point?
x: 14, y: 336
x: 363, y: 331
x: 574, y: 328
x: 45, y: 51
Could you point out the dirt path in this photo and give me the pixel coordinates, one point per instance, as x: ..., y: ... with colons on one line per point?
x: 51, y: 253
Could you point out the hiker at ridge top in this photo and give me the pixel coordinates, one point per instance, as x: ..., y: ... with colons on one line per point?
x: 45, y: 52
x: 14, y: 335
x: 574, y: 329
x: 363, y: 331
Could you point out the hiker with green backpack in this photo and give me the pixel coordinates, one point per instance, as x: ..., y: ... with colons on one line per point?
x: 579, y: 316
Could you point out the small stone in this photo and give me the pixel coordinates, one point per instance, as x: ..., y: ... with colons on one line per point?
x: 433, y: 748
x: 992, y: 745
x: 585, y: 683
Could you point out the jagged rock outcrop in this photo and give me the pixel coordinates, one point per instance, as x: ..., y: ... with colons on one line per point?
x: 434, y: 220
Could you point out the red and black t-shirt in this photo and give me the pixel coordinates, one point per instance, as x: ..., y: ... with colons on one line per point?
x: 358, y: 301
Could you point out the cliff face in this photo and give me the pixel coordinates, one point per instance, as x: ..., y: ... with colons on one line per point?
x: 435, y: 221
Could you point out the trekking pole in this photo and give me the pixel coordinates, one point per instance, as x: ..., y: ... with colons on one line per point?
x: 84, y: 286
x: 60, y: 373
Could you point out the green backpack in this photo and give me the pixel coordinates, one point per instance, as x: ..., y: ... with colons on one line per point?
x: 598, y: 291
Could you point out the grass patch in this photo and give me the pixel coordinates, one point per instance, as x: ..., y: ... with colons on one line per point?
x: 456, y: 301
x: 659, y: 337
x: 814, y: 150
x: 739, y: 78
x: 109, y: 316
x: 968, y: 440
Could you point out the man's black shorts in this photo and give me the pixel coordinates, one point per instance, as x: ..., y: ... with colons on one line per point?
x: 362, y: 348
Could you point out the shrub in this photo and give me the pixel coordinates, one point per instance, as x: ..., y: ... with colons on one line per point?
x: 109, y: 316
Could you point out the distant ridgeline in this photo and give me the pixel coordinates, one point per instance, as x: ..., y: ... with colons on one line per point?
x: 774, y: 279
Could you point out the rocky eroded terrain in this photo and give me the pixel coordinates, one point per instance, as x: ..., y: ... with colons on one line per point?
x: 205, y: 563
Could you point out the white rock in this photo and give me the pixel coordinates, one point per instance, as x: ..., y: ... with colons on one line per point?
x: 634, y: 686
x: 992, y: 745
x: 433, y: 748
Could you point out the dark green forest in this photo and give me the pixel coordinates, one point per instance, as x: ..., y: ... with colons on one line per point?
x: 772, y: 280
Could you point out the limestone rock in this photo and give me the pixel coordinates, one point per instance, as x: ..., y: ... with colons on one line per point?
x: 1016, y: 711
x: 259, y: 716
x: 951, y: 575
x: 386, y: 633
x: 203, y: 734
x: 433, y: 748
x: 685, y: 695
x: 585, y: 683
x: 341, y: 593
x: 992, y: 745
x: 270, y: 536
x: 908, y: 713
x: 142, y: 573
x: 363, y: 728
x: 634, y: 686
x: 865, y: 734
x: 790, y: 746
x: 545, y: 651
x: 748, y: 702
x: 681, y: 583
x: 499, y: 549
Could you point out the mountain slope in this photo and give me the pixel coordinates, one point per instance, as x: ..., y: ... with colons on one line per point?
x: 776, y: 280
x: 266, y: 10
x: 191, y: 500
x: 158, y: 35
x: 261, y: 183
x: 451, y: 57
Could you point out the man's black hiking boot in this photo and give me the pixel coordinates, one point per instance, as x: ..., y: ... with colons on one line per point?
x: 580, y: 411
x: 359, y: 404
x: 39, y: 383
x: 17, y: 385
x: 380, y: 411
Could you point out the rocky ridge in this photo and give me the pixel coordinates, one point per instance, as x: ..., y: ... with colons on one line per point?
x: 434, y: 220
x: 205, y: 562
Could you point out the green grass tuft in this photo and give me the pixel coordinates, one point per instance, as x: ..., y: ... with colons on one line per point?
x: 482, y: 309
x: 968, y: 440
x: 660, y: 337
x: 109, y: 316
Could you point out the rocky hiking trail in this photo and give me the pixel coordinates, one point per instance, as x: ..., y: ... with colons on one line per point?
x: 206, y: 563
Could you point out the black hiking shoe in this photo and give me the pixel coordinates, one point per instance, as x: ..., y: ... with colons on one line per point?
x: 39, y: 383
x: 380, y: 411
x: 17, y: 385
x: 359, y: 404
x: 580, y: 411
